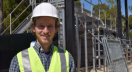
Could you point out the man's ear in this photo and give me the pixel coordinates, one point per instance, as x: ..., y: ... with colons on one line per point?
x: 56, y: 30
x: 33, y: 27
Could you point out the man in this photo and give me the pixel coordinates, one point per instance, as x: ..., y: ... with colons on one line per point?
x: 43, y: 56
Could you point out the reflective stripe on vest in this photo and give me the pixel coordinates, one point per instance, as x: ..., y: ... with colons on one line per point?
x: 29, y: 61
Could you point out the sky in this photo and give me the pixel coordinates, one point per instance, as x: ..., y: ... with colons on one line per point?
x: 88, y: 6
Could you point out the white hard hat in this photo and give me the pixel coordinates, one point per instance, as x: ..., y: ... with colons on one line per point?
x: 45, y: 9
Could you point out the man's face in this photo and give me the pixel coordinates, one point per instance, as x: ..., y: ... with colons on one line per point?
x: 45, y: 30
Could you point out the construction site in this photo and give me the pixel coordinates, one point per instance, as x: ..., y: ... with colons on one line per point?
x: 97, y: 45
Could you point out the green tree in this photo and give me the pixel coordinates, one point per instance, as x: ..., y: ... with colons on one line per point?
x: 8, y: 7
x: 77, y: 2
x: 130, y: 8
x: 103, y: 8
x: 130, y: 34
x: 112, y: 6
x: 130, y: 21
x: 111, y: 3
x: 110, y: 12
x: 130, y: 26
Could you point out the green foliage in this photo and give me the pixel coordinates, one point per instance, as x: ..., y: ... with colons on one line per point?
x: 103, y: 8
x: 130, y: 8
x: 109, y: 11
x: 77, y: 2
x: 130, y: 21
x: 130, y: 34
x: 111, y: 3
x: 8, y: 7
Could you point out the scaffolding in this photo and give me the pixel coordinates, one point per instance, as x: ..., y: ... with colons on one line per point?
x: 89, y: 31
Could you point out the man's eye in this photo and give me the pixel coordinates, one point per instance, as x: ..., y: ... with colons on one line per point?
x: 49, y: 26
x: 41, y: 26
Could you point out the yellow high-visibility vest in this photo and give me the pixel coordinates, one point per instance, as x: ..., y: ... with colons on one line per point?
x: 29, y: 61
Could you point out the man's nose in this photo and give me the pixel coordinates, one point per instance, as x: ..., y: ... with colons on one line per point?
x: 46, y: 30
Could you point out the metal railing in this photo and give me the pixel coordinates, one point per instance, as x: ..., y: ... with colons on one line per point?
x: 10, y: 16
x: 28, y: 17
x: 15, y: 19
x: 127, y: 49
x: 11, y: 22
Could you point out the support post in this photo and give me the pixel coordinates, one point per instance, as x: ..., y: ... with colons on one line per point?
x: 85, y: 39
x: 115, y: 24
x: 99, y: 9
x: 119, y: 19
x: 115, y: 28
x: 91, y: 9
x: 93, y: 47
x: 93, y: 39
x: 35, y: 3
x: 82, y: 5
x: 63, y: 28
x: 98, y: 45
x: 110, y: 22
x: 1, y: 16
x: 10, y: 23
x: 77, y: 44
x: 70, y: 28
x: 127, y: 25
x: 105, y: 20
x: 99, y: 37
x: 80, y: 50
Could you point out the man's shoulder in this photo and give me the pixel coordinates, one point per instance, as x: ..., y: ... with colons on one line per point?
x: 65, y: 50
x: 24, y: 50
x: 14, y: 60
x: 15, y: 57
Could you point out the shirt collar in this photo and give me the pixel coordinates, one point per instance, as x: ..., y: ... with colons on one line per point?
x: 37, y: 47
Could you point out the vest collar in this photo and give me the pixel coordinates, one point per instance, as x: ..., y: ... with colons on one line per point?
x: 37, y: 47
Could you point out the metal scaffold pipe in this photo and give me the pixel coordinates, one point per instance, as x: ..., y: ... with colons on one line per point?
x: 110, y: 19
x: 99, y: 36
x: 82, y: 5
x: 91, y: 9
x: 99, y: 9
x: 80, y: 50
x: 105, y: 19
x: 85, y: 38
x: 77, y: 41
x: 98, y: 45
x: 93, y: 46
x: 63, y: 28
x: 115, y: 23
x: 10, y: 23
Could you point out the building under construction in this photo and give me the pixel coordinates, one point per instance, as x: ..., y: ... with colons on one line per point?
x: 95, y: 44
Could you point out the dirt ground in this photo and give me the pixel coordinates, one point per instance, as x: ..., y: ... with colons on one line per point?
x: 101, y: 70
x: 130, y: 69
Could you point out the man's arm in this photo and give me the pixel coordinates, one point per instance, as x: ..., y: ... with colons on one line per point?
x: 71, y: 63
x: 14, y: 67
